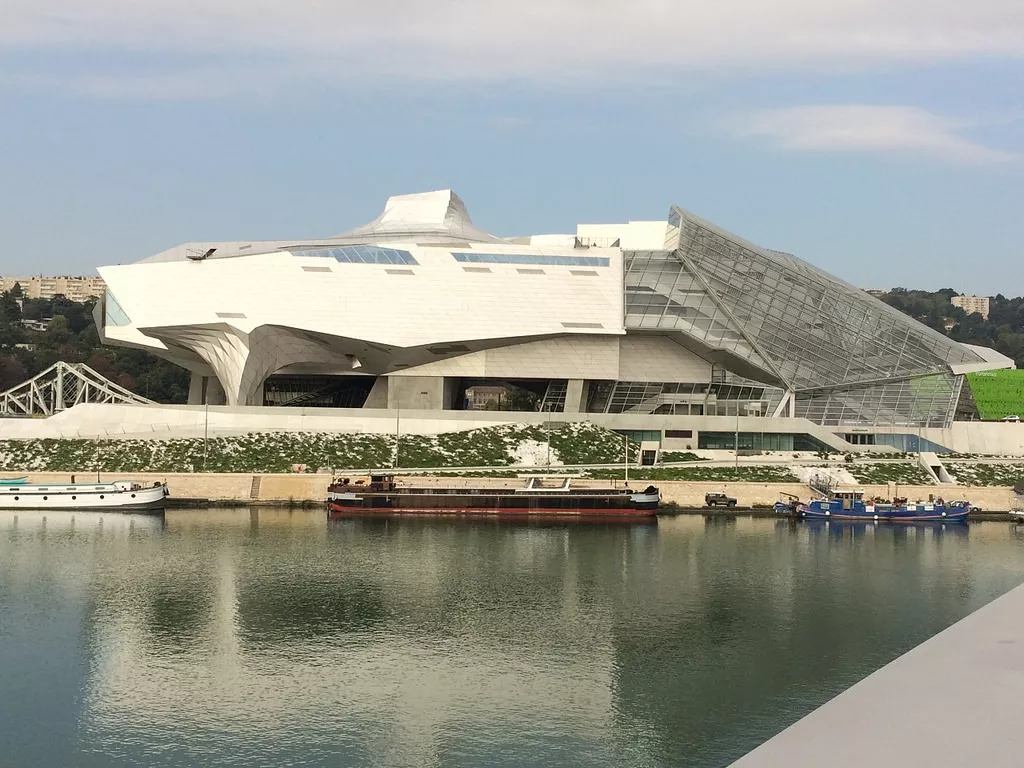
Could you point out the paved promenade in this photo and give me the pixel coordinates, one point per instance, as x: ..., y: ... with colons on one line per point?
x: 955, y: 700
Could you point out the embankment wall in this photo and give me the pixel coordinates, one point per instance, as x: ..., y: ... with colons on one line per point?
x: 245, y: 488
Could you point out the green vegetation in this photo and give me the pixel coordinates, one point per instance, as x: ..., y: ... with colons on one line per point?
x: 71, y: 336
x: 746, y: 474
x: 1003, y: 331
x: 669, y: 457
x: 505, y: 445
x: 906, y: 473
x: 986, y: 474
x: 998, y: 393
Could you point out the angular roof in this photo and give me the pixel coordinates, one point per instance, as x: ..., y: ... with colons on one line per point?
x: 438, y: 216
x: 425, y: 217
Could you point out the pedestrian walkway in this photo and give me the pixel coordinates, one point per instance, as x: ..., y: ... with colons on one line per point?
x: 955, y: 700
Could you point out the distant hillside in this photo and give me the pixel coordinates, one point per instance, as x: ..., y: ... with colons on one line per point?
x: 1003, y: 331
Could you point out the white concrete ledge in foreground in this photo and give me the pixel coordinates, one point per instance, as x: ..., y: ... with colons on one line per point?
x: 955, y: 700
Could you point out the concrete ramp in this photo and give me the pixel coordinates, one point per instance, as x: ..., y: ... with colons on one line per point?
x: 955, y: 700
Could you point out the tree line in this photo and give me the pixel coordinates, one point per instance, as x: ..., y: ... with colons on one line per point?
x: 1003, y: 331
x: 69, y: 334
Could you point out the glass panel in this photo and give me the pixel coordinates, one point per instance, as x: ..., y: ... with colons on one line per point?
x: 794, y: 322
x: 112, y: 313
x: 534, y: 258
x: 361, y: 254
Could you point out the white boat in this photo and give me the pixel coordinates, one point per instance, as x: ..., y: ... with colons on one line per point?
x: 109, y: 497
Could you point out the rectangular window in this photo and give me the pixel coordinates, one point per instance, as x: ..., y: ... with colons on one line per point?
x: 533, y: 258
x: 361, y: 254
x: 679, y: 433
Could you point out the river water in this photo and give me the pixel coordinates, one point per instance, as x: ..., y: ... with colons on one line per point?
x: 273, y: 638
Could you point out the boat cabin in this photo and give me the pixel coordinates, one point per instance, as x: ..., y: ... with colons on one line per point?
x: 848, y: 499
x: 546, y: 483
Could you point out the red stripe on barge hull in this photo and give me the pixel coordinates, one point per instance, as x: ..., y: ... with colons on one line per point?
x: 595, y: 514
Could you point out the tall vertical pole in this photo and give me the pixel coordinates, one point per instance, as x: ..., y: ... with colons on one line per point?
x: 206, y: 430
x: 737, y: 436
x: 549, y: 438
x: 398, y: 421
x: 625, y: 457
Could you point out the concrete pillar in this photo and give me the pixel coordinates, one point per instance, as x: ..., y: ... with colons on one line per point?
x: 197, y: 384
x: 416, y: 393
x: 215, y: 394
x: 378, y: 397
x: 575, y: 396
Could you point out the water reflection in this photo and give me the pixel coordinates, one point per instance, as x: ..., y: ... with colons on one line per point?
x: 270, y: 636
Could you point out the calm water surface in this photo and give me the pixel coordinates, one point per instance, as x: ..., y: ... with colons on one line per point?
x: 275, y: 638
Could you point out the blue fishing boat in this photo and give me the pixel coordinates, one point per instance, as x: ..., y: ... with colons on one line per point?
x: 13, y: 480
x: 851, y: 505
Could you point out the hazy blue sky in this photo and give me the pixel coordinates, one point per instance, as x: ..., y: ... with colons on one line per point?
x: 882, y: 144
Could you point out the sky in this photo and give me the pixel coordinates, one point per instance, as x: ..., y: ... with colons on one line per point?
x: 881, y: 141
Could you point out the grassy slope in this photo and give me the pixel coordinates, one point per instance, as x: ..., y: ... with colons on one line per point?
x: 998, y: 393
x: 278, y: 452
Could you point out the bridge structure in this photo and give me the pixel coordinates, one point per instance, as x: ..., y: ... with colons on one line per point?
x: 62, y: 386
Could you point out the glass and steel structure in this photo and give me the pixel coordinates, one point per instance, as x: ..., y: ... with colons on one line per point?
x: 821, y: 348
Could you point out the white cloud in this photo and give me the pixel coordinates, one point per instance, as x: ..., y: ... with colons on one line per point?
x: 537, y: 39
x: 867, y: 128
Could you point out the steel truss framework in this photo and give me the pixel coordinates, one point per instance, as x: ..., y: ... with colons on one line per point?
x: 62, y: 386
x: 838, y: 355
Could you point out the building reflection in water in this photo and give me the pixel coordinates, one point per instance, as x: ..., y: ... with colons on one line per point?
x: 270, y: 635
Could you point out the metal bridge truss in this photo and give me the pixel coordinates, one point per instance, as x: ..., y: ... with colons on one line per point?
x: 62, y: 386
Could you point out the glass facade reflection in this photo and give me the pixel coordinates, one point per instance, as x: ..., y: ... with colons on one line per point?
x: 361, y: 254
x: 532, y: 258
x: 112, y: 313
x: 845, y: 357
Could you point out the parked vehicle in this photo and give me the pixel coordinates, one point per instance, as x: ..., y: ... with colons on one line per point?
x: 1013, y: 418
x: 718, y: 500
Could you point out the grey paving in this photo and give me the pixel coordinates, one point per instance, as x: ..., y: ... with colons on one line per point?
x: 955, y: 700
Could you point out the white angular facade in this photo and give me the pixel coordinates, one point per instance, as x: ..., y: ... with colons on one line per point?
x: 672, y: 318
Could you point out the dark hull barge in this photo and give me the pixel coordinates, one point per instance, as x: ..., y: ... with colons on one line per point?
x: 546, y: 496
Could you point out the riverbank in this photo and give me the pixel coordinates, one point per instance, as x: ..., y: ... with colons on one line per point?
x: 222, y: 489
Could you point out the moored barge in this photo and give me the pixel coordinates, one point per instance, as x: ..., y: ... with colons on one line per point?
x: 851, y: 505
x: 118, y: 496
x: 540, y: 495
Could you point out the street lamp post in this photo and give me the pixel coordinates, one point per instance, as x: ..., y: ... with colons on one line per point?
x: 737, y: 443
x: 398, y: 422
x: 206, y: 430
